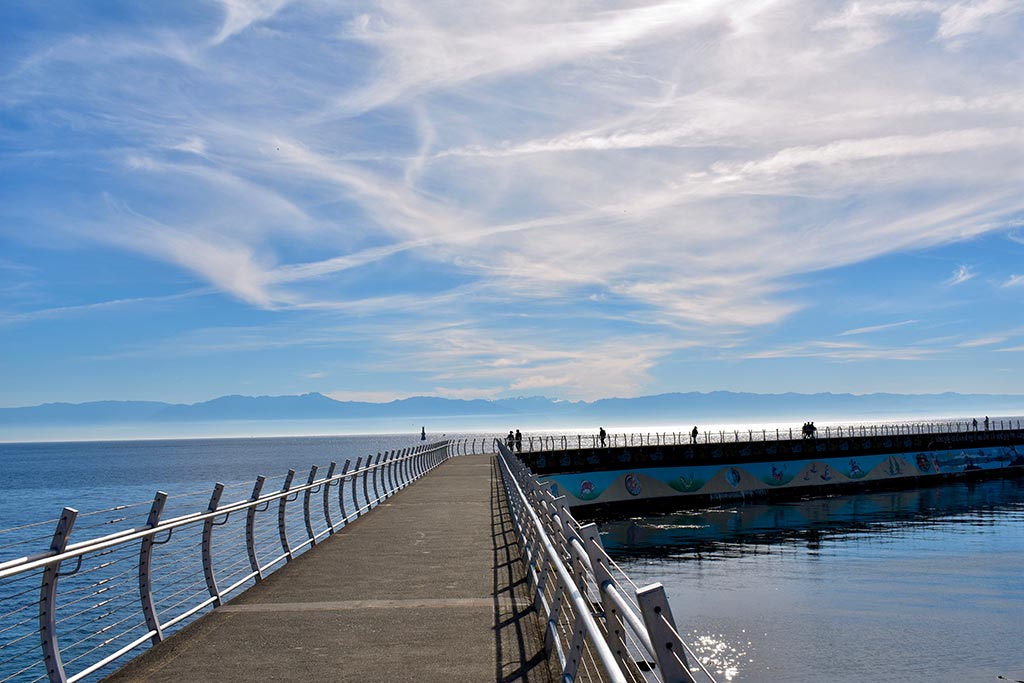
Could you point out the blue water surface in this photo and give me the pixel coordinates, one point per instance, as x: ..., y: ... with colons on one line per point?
x: 919, y: 585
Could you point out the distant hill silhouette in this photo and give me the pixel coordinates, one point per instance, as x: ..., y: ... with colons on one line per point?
x: 673, y: 407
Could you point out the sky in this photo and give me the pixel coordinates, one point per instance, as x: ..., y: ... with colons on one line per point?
x: 377, y: 200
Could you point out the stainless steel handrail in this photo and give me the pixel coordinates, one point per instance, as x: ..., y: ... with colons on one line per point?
x: 390, y: 472
x: 624, y: 634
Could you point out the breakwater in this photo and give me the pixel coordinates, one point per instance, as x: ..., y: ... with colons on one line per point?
x: 643, y: 477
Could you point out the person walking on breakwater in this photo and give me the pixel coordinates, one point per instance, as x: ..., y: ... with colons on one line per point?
x: 986, y: 423
x: 693, y: 434
x: 510, y: 440
x: 519, y: 441
x: 974, y: 423
x: 602, y: 435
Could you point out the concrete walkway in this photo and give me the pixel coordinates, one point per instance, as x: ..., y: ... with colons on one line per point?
x: 427, y: 587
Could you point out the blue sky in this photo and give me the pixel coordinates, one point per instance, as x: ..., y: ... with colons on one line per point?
x: 579, y: 200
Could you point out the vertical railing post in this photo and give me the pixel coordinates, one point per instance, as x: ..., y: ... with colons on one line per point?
x: 327, y: 497
x: 668, y: 648
x: 400, y: 470
x: 366, y: 480
x: 574, y: 653
x: 377, y: 471
x: 389, y: 467
x: 614, y: 630
x: 341, y: 492
x: 282, y: 503
x: 305, y: 505
x: 211, y: 579
x: 48, y: 600
x: 250, y: 527
x: 146, y: 570
x: 355, y: 476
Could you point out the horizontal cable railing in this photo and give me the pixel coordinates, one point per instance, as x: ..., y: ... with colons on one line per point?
x: 600, y: 625
x: 72, y: 609
x: 562, y: 442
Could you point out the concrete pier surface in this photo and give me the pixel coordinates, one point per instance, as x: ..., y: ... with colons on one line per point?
x: 427, y: 587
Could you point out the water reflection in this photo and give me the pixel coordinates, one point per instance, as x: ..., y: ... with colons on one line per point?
x: 909, y: 582
x: 729, y: 529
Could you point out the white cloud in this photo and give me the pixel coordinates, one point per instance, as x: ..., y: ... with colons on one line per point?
x: 846, y: 353
x: 960, y: 275
x: 983, y: 341
x: 241, y: 14
x: 681, y: 168
x: 193, y: 145
x: 366, y: 396
x: 974, y: 16
x: 876, y: 328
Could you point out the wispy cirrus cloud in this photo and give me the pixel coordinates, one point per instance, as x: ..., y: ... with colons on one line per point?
x: 964, y: 18
x: 876, y: 328
x: 847, y: 352
x: 960, y: 275
x: 688, y: 169
x: 241, y: 14
x: 982, y: 341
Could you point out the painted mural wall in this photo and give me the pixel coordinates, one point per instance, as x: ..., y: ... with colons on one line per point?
x: 588, y: 488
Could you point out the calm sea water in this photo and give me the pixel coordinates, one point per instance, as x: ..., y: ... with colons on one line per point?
x: 912, y: 586
x: 922, y: 585
x: 37, y: 480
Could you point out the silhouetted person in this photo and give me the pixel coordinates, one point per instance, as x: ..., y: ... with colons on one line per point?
x: 602, y: 435
x: 510, y: 440
x: 974, y: 423
x: 986, y: 423
x: 693, y: 434
x: 519, y: 441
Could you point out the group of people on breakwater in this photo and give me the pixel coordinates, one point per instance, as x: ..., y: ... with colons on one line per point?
x: 514, y: 441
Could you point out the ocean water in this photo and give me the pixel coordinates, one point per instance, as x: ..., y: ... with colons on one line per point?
x: 112, y: 485
x: 37, y: 480
x: 920, y: 585
x: 915, y: 585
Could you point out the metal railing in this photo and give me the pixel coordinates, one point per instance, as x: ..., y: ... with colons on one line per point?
x: 599, y: 624
x: 75, y: 608
x: 562, y: 442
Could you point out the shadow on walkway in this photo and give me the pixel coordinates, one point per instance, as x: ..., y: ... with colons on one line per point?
x: 518, y: 628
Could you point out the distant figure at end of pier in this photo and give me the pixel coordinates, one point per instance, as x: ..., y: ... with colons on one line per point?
x: 693, y: 434
x: 519, y: 441
x: 602, y: 435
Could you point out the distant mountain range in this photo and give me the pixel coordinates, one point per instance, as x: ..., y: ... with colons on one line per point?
x: 674, y: 407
